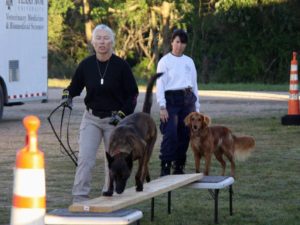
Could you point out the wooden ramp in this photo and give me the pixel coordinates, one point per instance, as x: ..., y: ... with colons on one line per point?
x: 130, y: 196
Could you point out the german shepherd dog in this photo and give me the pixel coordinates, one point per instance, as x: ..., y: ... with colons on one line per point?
x: 133, y: 139
x: 218, y: 140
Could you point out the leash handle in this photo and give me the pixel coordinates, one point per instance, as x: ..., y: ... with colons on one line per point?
x: 69, y: 151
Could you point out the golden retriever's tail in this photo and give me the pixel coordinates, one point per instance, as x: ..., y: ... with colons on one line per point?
x: 148, y: 97
x: 243, y: 146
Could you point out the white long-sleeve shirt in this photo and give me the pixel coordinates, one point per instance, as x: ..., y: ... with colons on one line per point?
x: 179, y: 73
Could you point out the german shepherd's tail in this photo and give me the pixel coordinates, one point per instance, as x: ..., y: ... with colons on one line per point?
x: 148, y: 97
x: 243, y: 146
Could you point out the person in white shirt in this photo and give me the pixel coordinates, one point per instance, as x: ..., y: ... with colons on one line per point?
x: 177, y: 96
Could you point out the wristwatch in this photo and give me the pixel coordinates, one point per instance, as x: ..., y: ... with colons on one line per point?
x: 162, y: 108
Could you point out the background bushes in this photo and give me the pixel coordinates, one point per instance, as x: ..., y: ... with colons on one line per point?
x: 231, y: 41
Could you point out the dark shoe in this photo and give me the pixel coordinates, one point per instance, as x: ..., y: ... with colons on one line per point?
x: 165, y: 168
x: 107, y: 193
x: 80, y: 198
x: 178, y: 168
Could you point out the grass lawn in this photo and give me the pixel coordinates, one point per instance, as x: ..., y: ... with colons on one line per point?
x: 62, y: 83
x: 266, y: 190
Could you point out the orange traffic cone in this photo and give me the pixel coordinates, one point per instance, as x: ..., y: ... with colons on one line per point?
x: 293, y: 117
x: 29, y: 192
x: 294, y: 92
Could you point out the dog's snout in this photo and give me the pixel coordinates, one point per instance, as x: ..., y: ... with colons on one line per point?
x: 120, y: 188
x: 120, y: 185
x: 119, y: 191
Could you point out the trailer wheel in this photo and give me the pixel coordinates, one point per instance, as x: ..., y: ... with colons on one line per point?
x: 1, y: 102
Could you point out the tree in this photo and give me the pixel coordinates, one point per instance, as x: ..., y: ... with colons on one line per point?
x: 65, y: 40
x: 144, y: 28
x: 87, y: 20
x: 229, y: 40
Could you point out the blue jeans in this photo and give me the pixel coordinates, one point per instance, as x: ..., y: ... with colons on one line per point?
x: 176, y: 135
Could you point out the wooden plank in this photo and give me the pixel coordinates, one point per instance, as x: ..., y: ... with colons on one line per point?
x: 130, y: 196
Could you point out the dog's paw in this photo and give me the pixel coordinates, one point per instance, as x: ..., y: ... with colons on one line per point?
x: 139, y: 188
x: 148, y: 179
x: 107, y: 193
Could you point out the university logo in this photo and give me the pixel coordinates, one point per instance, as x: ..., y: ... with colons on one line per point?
x: 9, y: 3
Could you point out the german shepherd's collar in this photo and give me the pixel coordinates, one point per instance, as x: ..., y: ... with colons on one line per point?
x: 133, y: 139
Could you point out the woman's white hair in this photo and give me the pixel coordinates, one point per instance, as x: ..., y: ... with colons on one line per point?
x: 105, y: 28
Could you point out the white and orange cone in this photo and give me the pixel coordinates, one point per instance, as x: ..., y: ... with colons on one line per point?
x: 293, y: 117
x: 294, y: 91
x: 29, y: 192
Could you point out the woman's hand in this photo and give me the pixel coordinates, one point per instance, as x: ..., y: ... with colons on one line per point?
x: 164, y: 115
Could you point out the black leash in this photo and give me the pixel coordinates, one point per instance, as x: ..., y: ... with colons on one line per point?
x: 69, y: 151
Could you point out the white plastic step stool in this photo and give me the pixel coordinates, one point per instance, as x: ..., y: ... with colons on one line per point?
x: 214, y: 184
x: 64, y: 217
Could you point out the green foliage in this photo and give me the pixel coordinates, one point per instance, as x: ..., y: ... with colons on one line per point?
x: 251, y: 42
x: 99, y: 11
x: 66, y: 43
x: 231, y: 41
x: 141, y: 69
x: 57, y: 12
x: 60, y: 65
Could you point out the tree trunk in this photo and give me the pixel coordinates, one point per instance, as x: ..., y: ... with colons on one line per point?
x: 87, y: 21
x: 196, y: 28
x: 166, y: 12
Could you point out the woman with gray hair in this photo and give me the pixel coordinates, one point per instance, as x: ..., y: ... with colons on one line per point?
x: 111, y: 94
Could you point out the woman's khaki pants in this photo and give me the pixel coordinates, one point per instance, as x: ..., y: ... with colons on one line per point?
x: 92, y: 131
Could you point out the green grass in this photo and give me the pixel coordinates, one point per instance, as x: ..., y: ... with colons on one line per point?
x: 58, y: 83
x: 62, y: 83
x: 244, y: 87
x: 266, y: 190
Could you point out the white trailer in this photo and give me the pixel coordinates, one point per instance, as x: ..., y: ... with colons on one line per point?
x: 23, y: 51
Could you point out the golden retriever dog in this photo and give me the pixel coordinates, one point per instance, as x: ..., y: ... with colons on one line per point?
x: 207, y: 140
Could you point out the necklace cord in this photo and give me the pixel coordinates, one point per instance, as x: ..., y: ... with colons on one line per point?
x: 99, y: 70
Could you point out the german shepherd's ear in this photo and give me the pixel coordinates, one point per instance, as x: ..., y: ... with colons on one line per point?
x: 206, y: 120
x: 187, y: 120
x: 109, y: 159
x: 129, y: 160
